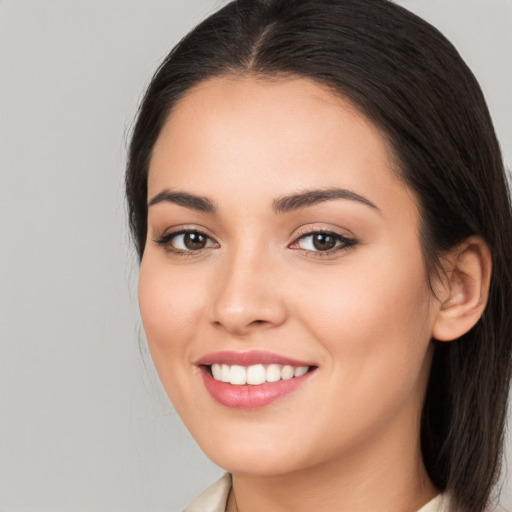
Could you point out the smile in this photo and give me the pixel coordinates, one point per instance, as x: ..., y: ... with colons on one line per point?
x: 251, y: 380
x: 255, y: 374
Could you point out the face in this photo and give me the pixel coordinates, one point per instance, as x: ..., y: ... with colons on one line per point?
x: 282, y: 287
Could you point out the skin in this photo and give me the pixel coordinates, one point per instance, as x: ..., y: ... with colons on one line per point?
x: 348, y: 438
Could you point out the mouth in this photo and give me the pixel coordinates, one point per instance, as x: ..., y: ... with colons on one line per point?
x: 252, y: 380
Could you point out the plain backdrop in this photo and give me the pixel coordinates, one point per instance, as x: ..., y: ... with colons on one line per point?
x: 84, y: 423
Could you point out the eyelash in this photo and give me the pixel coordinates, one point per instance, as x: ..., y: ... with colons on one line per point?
x: 165, y: 241
x: 343, y: 243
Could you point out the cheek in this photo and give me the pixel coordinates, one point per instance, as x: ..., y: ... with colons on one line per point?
x: 375, y: 325
x: 374, y: 328
x: 170, y: 305
x: 377, y: 294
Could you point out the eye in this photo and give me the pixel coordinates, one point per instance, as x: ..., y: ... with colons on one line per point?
x: 323, y: 242
x: 186, y: 241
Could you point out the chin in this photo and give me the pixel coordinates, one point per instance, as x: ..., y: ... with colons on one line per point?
x: 252, y: 453
x: 255, y: 463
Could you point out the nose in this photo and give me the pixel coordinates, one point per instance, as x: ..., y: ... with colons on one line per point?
x: 247, y: 295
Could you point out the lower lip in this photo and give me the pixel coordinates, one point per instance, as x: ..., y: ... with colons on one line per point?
x: 249, y: 396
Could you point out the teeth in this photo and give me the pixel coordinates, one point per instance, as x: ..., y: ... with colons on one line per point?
x: 217, y: 371
x: 287, y: 372
x: 224, y: 376
x: 273, y: 373
x: 238, y: 375
x: 255, y: 374
x: 300, y: 371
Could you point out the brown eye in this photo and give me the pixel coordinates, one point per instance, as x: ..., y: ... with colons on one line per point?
x: 194, y: 241
x: 186, y: 241
x: 323, y: 242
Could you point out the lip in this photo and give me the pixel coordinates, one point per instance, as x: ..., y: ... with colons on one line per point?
x: 249, y: 358
x: 250, y: 396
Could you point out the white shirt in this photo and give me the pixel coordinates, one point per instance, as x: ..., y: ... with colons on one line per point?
x: 215, y: 497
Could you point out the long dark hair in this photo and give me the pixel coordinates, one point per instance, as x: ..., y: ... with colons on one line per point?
x: 411, y: 82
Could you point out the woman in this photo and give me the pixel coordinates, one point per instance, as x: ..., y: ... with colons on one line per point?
x: 320, y: 208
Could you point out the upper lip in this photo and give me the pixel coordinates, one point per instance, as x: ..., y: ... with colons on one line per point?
x: 249, y: 358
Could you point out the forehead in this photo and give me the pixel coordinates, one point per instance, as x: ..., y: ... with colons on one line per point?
x: 269, y: 137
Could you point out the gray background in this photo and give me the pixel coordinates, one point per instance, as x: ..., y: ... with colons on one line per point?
x: 84, y: 424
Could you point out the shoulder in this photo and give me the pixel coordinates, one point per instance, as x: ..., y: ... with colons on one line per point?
x: 443, y: 503
x: 214, y: 498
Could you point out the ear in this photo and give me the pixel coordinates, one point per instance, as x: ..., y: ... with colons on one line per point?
x: 464, y: 289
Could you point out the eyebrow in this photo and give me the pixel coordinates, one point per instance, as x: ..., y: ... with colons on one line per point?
x: 311, y: 197
x: 280, y: 205
x: 202, y: 204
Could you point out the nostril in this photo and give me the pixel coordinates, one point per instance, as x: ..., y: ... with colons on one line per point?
x: 257, y: 322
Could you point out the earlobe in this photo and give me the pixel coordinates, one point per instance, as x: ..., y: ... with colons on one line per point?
x: 464, y: 289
